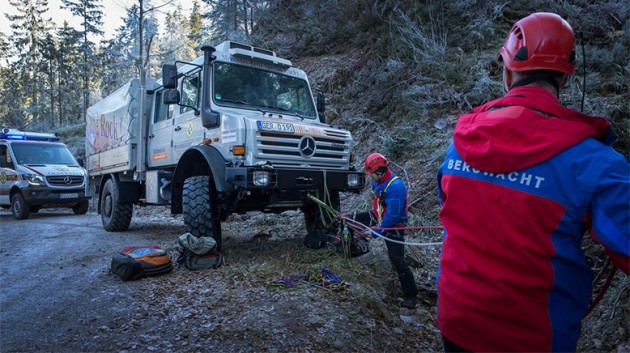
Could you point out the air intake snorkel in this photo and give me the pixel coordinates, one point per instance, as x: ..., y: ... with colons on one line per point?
x: 209, y: 118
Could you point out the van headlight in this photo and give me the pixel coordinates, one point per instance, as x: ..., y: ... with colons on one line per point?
x: 354, y: 180
x: 34, y: 179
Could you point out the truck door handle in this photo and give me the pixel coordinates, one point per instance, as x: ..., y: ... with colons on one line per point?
x: 151, y: 136
x: 178, y: 128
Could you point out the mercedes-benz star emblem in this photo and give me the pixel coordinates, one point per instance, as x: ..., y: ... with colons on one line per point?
x: 67, y: 180
x: 307, y: 146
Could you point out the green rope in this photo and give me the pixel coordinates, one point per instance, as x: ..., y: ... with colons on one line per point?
x: 323, y: 205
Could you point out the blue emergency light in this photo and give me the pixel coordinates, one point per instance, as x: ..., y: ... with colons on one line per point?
x: 14, y: 134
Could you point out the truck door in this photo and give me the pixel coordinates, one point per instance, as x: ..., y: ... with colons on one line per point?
x: 187, y: 128
x: 159, y: 150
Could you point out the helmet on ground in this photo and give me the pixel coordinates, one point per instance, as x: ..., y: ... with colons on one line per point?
x: 375, y: 161
x: 540, y: 41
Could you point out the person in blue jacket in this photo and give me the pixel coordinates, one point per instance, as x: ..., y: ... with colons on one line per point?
x: 390, y: 211
x: 523, y: 181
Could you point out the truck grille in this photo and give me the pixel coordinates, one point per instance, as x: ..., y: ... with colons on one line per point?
x: 65, y: 180
x: 329, y: 149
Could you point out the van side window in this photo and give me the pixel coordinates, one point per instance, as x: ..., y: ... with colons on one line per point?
x: 162, y: 111
x: 191, y: 87
x: 5, y: 157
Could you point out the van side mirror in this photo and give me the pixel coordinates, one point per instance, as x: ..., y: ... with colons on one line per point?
x: 170, y: 96
x: 80, y: 161
x: 169, y: 76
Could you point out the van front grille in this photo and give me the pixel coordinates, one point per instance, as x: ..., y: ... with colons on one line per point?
x: 65, y: 180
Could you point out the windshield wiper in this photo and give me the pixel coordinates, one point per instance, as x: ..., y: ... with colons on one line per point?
x: 239, y: 101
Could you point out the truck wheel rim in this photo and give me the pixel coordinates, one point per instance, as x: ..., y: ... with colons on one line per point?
x: 108, y: 205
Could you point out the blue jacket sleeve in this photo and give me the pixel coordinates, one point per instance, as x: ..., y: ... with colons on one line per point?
x: 396, y: 205
x: 610, y: 210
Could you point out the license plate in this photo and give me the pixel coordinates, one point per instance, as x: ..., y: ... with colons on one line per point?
x: 277, y: 127
x: 68, y: 196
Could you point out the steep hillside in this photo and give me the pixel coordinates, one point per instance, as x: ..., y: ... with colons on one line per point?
x: 400, y: 92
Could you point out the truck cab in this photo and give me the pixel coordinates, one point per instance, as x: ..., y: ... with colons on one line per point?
x: 38, y: 171
x: 234, y: 131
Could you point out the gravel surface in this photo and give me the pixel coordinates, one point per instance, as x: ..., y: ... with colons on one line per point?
x: 59, y: 296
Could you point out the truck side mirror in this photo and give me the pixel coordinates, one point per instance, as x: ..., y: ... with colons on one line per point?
x: 321, y: 106
x: 169, y: 76
x: 170, y: 96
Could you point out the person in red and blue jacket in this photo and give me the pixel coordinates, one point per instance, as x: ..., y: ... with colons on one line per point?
x: 389, y: 211
x: 522, y: 182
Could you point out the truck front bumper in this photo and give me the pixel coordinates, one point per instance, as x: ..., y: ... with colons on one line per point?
x: 295, y: 179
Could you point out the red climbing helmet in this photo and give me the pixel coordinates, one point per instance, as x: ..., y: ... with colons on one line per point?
x: 374, y: 161
x: 540, y: 41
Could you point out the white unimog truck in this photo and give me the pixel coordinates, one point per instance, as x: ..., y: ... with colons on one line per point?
x: 236, y: 130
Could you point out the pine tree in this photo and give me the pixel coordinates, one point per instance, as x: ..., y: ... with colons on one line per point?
x: 195, y: 30
x: 69, y: 85
x: 233, y: 19
x: 28, y: 33
x: 91, y: 15
x: 173, y: 45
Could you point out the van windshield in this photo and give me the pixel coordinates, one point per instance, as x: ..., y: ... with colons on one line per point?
x: 36, y: 153
x: 261, y: 89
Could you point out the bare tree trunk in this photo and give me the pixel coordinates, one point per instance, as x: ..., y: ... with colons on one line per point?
x: 251, y: 18
x: 235, y: 3
x: 60, y: 100
x: 245, y: 19
x: 51, y: 80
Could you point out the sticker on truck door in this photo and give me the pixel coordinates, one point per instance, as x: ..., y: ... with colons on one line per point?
x: 276, y: 127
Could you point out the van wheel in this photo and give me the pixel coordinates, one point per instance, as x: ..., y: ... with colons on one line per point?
x: 201, y: 212
x: 115, y: 216
x: 81, y: 207
x: 19, y: 207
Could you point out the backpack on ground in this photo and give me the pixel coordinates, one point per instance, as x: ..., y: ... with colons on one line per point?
x: 137, y: 262
x: 198, y: 253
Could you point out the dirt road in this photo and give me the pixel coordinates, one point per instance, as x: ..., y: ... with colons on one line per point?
x: 57, y: 292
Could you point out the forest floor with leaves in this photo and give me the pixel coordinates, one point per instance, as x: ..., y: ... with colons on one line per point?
x: 270, y: 295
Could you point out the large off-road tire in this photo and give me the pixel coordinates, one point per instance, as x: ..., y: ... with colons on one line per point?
x: 19, y: 207
x: 116, y: 216
x: 81, y: 208
x: 201, y: 214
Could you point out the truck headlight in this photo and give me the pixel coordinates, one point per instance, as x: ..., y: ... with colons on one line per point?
x: 354, y: 180
x: 261, y: 178
x: 34, y: 179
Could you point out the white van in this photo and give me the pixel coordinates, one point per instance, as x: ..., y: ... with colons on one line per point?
x: 37, y: 171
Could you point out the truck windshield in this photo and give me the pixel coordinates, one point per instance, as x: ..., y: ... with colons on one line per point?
x: 35, y: 153
x: 260, y: 89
